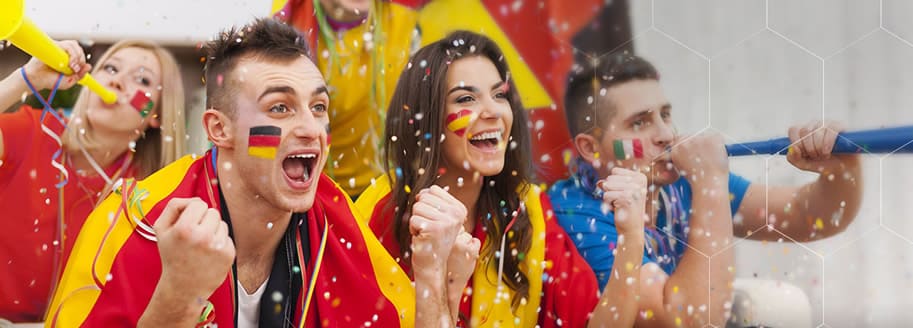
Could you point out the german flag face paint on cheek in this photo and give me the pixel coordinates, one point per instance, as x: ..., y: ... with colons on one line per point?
x: 263, y: 141
x: 457, y: 122
x: 142, y: 103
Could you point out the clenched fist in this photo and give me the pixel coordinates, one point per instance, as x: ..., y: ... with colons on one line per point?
x: 194, y: 245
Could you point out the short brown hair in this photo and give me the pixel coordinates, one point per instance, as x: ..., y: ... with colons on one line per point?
x: 265, y: 38
x: 585, y: 82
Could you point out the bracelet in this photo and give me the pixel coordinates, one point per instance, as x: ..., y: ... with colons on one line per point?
x: 207, y: 317
x: 45, y: 102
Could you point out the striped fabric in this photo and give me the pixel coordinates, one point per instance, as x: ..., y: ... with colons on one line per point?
x: 627, y: 149
x: 263, y: 140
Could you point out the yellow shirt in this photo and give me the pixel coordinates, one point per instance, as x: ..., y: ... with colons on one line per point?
x: 356, y: 120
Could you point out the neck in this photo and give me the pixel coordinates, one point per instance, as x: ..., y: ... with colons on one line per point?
x: 105, y: 151
x: 257, y: 225
x: 467, y: 192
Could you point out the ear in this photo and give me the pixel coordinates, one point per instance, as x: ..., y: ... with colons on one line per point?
x: 219, y: 128
x: 154, y: 121
x: 588, y: 148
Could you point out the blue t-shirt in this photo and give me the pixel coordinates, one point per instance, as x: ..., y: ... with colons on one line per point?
x: 592, y: 227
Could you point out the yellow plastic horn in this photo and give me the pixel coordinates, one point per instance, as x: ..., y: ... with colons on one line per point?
x: 22, y: 33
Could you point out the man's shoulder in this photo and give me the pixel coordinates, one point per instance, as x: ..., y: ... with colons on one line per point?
x: 569, y: 193
x: 146, y: 198
x: 177, y: 171
x: 334, y: 201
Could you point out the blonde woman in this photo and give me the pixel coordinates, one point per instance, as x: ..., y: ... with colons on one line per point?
x: 53, y: 171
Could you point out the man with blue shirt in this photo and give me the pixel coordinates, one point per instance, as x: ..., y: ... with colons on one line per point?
x: 621, y: 120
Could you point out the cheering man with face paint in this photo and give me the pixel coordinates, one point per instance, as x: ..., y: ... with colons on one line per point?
x: 675, y: 253
x: 250, y: 234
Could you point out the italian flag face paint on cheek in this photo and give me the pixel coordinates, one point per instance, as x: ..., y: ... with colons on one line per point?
x: 263, y: 141
x: 627, y: 149
x: 459, y: 121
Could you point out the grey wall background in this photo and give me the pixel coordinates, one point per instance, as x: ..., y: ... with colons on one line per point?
x: 749, y: 69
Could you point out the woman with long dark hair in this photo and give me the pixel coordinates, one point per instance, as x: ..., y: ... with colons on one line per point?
x: 456, y: 133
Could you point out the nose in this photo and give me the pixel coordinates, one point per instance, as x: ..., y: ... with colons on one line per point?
x: 492, y: 109
x: 310, y: 127
x: 665, y: 134
x: 114, y: 82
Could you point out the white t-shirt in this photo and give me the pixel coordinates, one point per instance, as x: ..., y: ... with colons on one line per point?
x: 249, y: 306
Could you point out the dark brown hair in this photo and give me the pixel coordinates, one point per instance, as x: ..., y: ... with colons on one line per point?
x: 265, y: 38
x: 586, y: 80
x: 416, y: 111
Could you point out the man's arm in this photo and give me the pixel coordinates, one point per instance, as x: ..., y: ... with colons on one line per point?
x: 618, y: 305
x: 697, y: 292
x: 813, y: 211
x: 196, y: 254
x: 626, y: 193
x: 170, y: 307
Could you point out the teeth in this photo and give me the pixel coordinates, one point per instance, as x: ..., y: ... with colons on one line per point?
x: 487, y: 135
x: 303, y: 156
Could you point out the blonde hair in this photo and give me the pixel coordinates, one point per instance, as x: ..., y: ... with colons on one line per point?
x: 156, y: 147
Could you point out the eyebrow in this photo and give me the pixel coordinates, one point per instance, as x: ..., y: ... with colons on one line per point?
x: 117, y: 60
x: 320, y: 90
x: 474, y: 89
x: 665, y: 106
x: 145, y: 69
x: 277, y: 89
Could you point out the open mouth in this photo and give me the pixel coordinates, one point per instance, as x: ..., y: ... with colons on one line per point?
x: 299, y: 167
x: 487, y: 141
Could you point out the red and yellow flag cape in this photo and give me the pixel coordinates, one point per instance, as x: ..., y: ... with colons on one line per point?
x: 491, y: 303
x: 113, y: 269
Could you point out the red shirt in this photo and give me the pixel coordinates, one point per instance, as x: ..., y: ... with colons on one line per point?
x: 30, y: 245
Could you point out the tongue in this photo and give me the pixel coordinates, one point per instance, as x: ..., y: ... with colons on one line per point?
x: 294, y: 168
x: 484, y: 143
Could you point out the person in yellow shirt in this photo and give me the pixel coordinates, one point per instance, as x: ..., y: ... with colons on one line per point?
x: 362, y: 46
